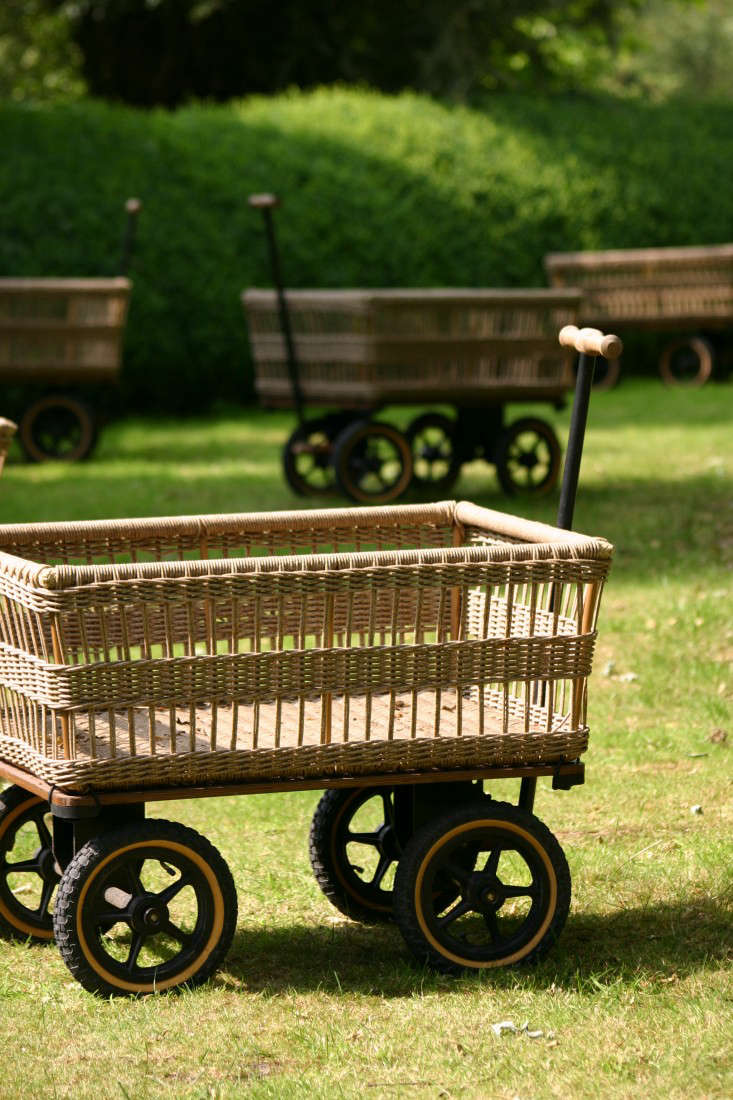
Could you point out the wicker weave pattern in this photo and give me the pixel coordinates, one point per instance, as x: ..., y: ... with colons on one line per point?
x: 363, y: 347
x: 426, y: 636
x: 650, y: 286
x: 62, y: 330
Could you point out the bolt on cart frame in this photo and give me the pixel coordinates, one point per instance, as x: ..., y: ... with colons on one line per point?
x: 397, y: 657
x: 362, y: 350
x: 63, y: 333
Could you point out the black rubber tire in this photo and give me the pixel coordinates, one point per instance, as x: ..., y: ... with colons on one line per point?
x: 372, y: 462
x: 452, y: 842
x: 333, y: 866
x: 58, y: 427
x: 687, y: 362
x: 308, y: 453
x: 19, y: 808
x: 118, y: 857
x: 432, y: 440
x: 529, y: 445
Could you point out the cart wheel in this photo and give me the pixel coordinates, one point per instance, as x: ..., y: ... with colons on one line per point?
x: 373, y: 462
x: 353, y: 848
x: 528, y: 457
x: 28, y: 875
x: 57, y: 426
x: 432, y: 439
x: 307, y: 457
x: 512, y: 889
x: 687, y: 362
x: 145, y: 908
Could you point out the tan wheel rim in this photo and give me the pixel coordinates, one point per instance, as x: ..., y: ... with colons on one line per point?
x: 507, y: 826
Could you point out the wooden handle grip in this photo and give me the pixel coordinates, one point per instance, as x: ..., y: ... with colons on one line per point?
x: 591, y: 341
x: 132, y: 206
x: 262, y: 202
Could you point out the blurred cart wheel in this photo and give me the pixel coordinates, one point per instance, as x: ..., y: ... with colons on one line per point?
x: 372, y: 461
x: 511, y: 889
x: 687, y: 362
x: 58, y: 426
x: 528, y: 457
x: 28, y: 875
x: 307, y: 457
x: 354, y: 847
x: 145, y: 908
x: 432, y: 439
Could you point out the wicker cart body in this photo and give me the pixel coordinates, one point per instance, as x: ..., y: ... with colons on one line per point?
x: 394, y: 656
x: 294, y: 645
x: 61, y: 334
x: 686, y: 290
x: 361, y: 350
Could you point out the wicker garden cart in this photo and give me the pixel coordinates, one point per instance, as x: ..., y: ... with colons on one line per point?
x: 684, y: 290
x: 63, y: 335
x: 364, y: 350
x: 397, y: 657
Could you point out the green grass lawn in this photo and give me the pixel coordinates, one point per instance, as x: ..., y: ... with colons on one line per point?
x: 636, y: 996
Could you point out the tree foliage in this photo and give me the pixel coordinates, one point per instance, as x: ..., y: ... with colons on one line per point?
x: 38, y: 59
x: 148, y: 52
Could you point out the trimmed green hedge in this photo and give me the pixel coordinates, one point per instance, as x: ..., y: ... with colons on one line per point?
x: 378, y: 191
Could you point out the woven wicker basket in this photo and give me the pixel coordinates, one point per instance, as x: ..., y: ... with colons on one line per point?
x: 370, y: 347
x: 61, y: 330
x: 654, y: 287
x: 216, y: 649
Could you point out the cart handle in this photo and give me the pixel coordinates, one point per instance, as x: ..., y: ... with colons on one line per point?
x: 263, y: 202
x: 591, y: 341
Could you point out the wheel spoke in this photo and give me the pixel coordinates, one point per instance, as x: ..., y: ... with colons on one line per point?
x: 520, y: 891
x: 381, y: 870
x: 492, y: 923
x: 22, y: 867
x: 172, y: 930
x: 363, y: 838
x: 492, y: 863
x: 132, y: 877
x: 170, y: 891
x: 109, y: 918
x: 388, y: 808
x: 459, y: 910
x: 135, y: 948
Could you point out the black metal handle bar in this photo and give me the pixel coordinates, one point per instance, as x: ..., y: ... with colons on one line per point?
x: 590, y: 343
x: 132, y: 207
x: 267, y: 203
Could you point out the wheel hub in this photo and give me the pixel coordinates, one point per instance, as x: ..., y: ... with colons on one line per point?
x: 387, y: 844
x: 485, y: 890
x: 47, y: 868
x: 146, y: 915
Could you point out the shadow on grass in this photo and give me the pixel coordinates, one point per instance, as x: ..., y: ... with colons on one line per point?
x: 653, y: 944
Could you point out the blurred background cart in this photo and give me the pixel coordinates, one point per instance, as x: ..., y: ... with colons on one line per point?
x: 63, y: 335
x: 357, y: 351
x: 688, y: 291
